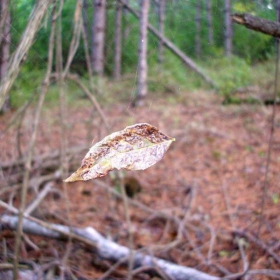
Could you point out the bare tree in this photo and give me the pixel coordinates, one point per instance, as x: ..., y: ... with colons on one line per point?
x: 142, y: 52
x: 161, y: 19
x: 118, y: 41
x: 98, y: 36
x: 209, y: 22
x: 198, y: 28
x: 5, y: 44
x: 228, y: 29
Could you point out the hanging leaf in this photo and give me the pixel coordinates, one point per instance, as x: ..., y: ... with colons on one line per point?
x: 137, y: 147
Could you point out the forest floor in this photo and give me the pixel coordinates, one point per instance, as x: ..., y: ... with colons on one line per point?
x: 212, y: 179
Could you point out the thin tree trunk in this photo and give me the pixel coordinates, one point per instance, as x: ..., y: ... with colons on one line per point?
x: 23, y: 48
x: 98, y: 36
x: 277, y: 10
x: 168, y: 44
x: 209, y: 22
x: 126, y: 28
x: 5, y: 45
x: 198, y: 28
x: 228, y: 29
x: 142, y: 52
x: 161, y: 18
x: 118, y: 41
x: 85, y: 18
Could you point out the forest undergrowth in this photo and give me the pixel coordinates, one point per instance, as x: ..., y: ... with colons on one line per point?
x: 201, y: 206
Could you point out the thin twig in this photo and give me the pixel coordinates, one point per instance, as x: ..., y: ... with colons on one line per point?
x: 63, y: 128
x: 39, y: 198
x: 231, y: 218
x: 30, y: 152
x: 128, y: 224
x: 270, y: 141
x: 259, y: 243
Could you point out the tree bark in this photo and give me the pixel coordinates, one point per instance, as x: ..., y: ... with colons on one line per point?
x: 209, y: 22
x: 23, y: 48
x: 161, y: 18
x: 198, y: 28
x: 98, y: 36
x: 118, y: 41
x: 258, y: 24
x: 168, y: 44
x: 85, y: 17
x: 228, y: 29
x: 126, y: 28
x: 142, y: 51
x: 5, y: 45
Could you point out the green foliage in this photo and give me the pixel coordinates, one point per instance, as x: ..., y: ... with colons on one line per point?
x: 251, y: 45
x: 172, y: 76
x: 229, y: 73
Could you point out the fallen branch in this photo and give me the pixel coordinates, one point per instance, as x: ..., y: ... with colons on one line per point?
x: 258, y: 24
x: 107, y: 249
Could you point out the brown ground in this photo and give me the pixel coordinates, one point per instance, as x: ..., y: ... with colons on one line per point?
x: 212, y: 177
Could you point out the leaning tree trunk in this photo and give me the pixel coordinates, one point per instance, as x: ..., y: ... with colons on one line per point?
x: 5, y: 45
x: 209, y: 22
x: 161, y: 19
x: 228, y: 29
x: 198, y: 28
x: 168, y: 44
x: 142, y: 52
x: 118, y: 41
x: 98, y: 36
x: 23, y: 48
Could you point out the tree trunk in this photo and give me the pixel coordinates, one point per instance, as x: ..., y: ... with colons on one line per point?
x: 228, y: 29
x: 85, y: 18
x: 5, y: 46
x: 278, y: 10
x: 21, y: 51
x: 126, y: 28
x: 168, y: 44
x: 142, y: 52
x: 98, y: 36
x: 118, y: 41
x: 198, y: 28
x: 161, y: 18
x: 209, y: 22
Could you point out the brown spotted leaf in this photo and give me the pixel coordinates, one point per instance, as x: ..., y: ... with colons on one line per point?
x: 136, y: 147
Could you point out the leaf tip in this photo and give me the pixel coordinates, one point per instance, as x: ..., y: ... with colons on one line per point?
x: 76, y: 176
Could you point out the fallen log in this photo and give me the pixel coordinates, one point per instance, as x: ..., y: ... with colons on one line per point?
x: 168, y: 44
x: 258, y: 24
x: 107, y: 249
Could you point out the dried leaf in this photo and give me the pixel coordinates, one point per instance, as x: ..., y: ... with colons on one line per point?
x: 137, y: 147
